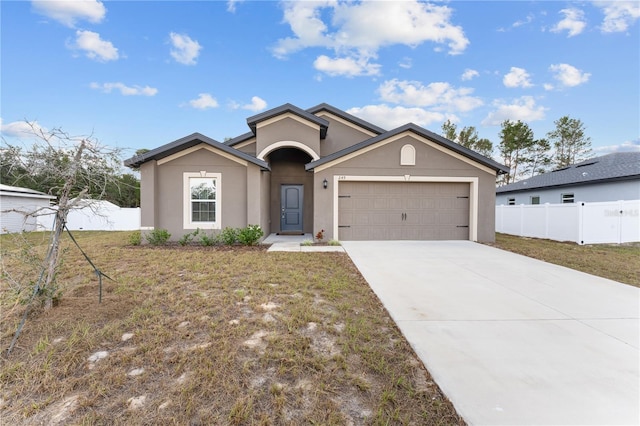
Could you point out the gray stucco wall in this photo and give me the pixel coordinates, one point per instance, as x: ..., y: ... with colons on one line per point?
x: 170, y: 198
x: 340, y: 136
x: 288, y: 129
x: 385, y: 161
x: 608, y: 191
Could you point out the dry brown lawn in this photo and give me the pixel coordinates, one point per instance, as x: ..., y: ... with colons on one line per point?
x: 616, y: 262
x: 208, y: 336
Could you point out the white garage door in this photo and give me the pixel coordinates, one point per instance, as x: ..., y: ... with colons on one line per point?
x: 403, y: 211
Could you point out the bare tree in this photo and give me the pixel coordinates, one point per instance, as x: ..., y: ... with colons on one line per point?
x: 68, y: 167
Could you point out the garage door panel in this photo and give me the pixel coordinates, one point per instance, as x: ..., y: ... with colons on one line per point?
x: 403, y: 211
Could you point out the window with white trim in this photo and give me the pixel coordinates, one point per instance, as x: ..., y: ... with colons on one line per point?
x: 202, y: 200
x: 535, y: 199
x: 567, y: 198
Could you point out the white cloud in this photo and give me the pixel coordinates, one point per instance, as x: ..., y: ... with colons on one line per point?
x: 184, y: 49
x: 469, y: 74
x: 94, y: 47
x: 349, y: 67
x: 231, y: 5
x: 19, y: 129
x: 618, y: 15
x: 204, y: 101
x: 359, y: 29
x: 124, y: 89
x: 627, y: 146
x: 439, y: 95
x: 517, y: 77
x: 569, y: 76
x: 392, y: 117
x: 526, y: 21
x: 573, y: 22
x: 257, y: 104
x: 406, y: 63
x: 523, y: 108
x: 69, y: 12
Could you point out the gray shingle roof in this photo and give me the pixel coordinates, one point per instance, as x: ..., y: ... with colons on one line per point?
x: 611, y: 167
x: 421, y: 132
x: 187, y: 142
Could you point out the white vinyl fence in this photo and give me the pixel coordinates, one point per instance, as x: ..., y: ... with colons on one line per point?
x: 583, y: 223
x: 100, y: 216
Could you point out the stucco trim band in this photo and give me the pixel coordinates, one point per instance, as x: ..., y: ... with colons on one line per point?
x: 288, y: 144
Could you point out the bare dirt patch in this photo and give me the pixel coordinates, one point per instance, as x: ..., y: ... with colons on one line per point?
x: 207, y: 336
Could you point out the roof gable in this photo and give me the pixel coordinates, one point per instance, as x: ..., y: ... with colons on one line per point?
x: 188, y: 142
x: 611, y: 167
x: 413, y: 128
x: 347, y: 117
x: 253, y: 121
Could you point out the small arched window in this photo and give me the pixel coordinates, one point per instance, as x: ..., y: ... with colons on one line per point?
x: 408, y: 155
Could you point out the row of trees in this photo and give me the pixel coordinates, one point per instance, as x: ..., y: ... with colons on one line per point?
x: 41, y: 167
x: 522, y: 152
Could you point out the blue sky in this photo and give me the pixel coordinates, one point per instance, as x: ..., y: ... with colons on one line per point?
x: 142, y: 74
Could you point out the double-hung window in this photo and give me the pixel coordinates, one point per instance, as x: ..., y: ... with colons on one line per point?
x: 202, y: 200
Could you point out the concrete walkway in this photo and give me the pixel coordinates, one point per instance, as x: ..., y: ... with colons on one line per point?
x: 293, y: 243
x: 509, y: 339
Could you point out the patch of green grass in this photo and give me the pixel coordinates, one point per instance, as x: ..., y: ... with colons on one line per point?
x: 616, y: 262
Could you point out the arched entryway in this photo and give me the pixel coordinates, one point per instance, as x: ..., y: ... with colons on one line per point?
x: 291, y: 191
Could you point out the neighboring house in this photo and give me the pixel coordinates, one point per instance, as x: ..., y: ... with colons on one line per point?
x: 15, y: 206
x: 611, y: 177
x: 302, y: 171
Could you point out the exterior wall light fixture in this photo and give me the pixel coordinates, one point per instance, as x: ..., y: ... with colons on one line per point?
x: 325, y: 184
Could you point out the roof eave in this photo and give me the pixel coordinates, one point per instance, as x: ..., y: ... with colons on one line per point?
x: 472, y: 155
x: 568, y: 184
x: 187, y: 142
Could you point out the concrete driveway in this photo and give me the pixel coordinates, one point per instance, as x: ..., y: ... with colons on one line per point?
x: 509, y: 339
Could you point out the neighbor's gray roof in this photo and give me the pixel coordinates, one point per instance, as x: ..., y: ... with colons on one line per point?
x: 18, y: 190
x: 346, y: 116
x: 611, y: 167
x: 282, y: 109
x: 187, y: 142
x: 421, y: 132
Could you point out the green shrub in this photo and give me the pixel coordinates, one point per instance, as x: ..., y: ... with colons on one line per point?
x: 135, y: 239
x: 334, y: 243
x: 158, y: 237
x: 187, y: 238
x: 306, y: 243
x: 250, y: 235
x: 229, y: 236
x: 209, y: 240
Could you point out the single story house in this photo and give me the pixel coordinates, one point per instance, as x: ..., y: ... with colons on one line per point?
x: 16, y: 206
x: 302, y: 171
x: 611, y: 177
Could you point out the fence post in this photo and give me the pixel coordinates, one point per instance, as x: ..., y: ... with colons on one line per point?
x: 580, y: 223
x: 620, y: 214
